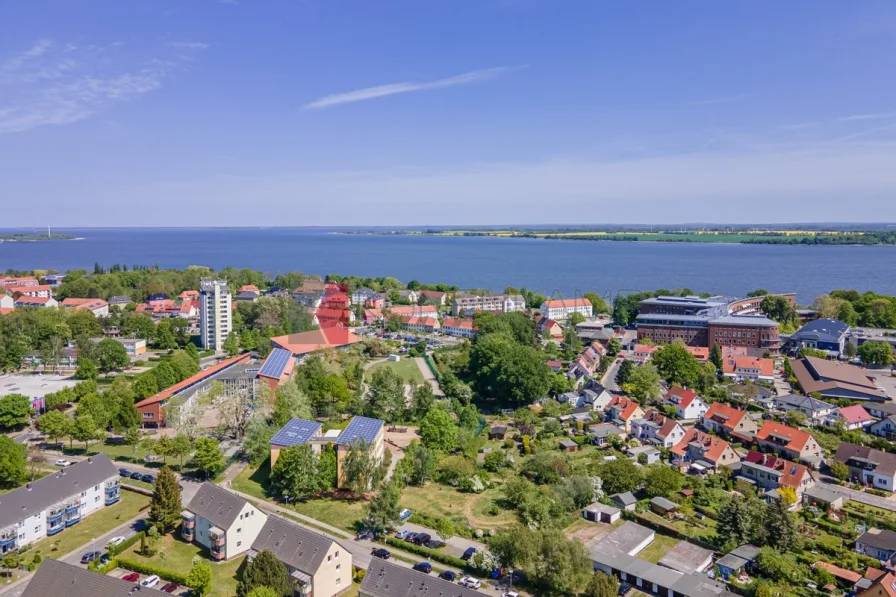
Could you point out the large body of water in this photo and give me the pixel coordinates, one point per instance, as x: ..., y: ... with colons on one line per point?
x: 478, y: 262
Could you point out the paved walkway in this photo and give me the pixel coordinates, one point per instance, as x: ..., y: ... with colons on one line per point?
x: 429, y: 377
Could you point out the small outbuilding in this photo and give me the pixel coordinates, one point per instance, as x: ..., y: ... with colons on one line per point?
x: 626, y: 501
x: 737, y: 561
x: 662, y: 506
x: 498, y: 432
x: 567, y: 445
x: 651, y: 454
x: 601, y: 433
x: 598, y: 512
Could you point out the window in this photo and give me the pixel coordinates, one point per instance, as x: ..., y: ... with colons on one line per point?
x: 329, y: 558
x: 337, y: 555
x: 96, y: 499
x: 338, y: 566
x: 37, y: 529
x: 238, y: 543
x: 338, y: 581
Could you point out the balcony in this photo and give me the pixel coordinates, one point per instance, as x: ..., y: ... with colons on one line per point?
x: 52, y: 530
x: 112, y: 484
x: 55, y: 513
x: 72, y: 506
x: 111, y: 498
x: 187, y: 534
x: 72, y: 519
x: 218, y: 552
x: 8, y: 538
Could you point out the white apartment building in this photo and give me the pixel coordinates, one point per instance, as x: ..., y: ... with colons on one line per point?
x: 221, y: 521
x: 50, y: 505
x: 215, y: 313
x: 561, y: 309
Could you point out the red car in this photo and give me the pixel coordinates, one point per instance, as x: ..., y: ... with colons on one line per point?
x: 170, y: 587
x: 132, y: 577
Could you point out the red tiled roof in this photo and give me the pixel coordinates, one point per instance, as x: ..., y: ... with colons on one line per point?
x: 322, y: 339
x: 188, y: 294
x: 798, y: 437
x: 855, y: 414
x: 715, y: 447
x: 26, y: 289
x: 5, y: 281
x: 666, y: 424
x: 169, y: 392
x: 842, y: 573
x: 33, y: 300
x: 793, y: 473
x: 886, y: 584
x: 84, y: 303
x: 459, y: 323
x: 249, y: 288
x: 728, y: 416
x: 685, y: 396
x: 578, y: 302
x: 700, y: 352
x: 6, y: 310
x: 625, y: 406
x: 734, y: 363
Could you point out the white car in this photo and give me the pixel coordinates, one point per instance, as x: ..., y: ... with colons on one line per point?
x: 470, y: 582
x: 63, y: 463
x: 116, y: 541
x: 511, y: 594
x: 150, y: 581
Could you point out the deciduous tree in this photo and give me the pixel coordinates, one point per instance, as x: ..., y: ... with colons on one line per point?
x: 438, y: 431
x: 384, y: 510
x: 265, y: 571
x: 12, y: 463
x: 208, y: 457
x: 15, y: 410
x: 295, y: 472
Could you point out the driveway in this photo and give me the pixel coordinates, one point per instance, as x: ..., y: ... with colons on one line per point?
x: 609, y: 378
x: 455, y: 545
x: 429, y: 377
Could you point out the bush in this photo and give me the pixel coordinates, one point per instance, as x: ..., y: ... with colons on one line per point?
x: 425, y: 552
x: 359, y: 575
x: 144, y: 568
x: 103, y: 569
x: 121, y: 547
x: 460, y: 528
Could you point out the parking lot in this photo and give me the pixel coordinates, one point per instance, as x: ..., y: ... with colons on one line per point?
x: 163, y: 585
x: 455, y: 546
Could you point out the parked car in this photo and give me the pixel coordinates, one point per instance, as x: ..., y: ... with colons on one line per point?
x: 116, y: 540
x: 150, y: 581
x: 404, y: 514
x: 410, y: 537
x: 624, y: 588
x: 434, y: 544
x: 148, y: 479
x: 132, y: 577
x: 124, y: 472
x: 89, y: 557
x: 63, y: 463
x: 470, y: 582
x: 382, y: 553
x: 136, y: 476
x: 511, y: 594
x: 468, y: 553
x: 448, y: 575
x: 170, y: 587
x: 421, y: 538
x: 401, y: 534
x: 424, y: 567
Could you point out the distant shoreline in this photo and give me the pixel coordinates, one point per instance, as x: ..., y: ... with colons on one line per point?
x: 850, y: 238
x: 35, y: 238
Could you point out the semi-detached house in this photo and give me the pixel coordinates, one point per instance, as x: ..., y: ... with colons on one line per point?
x: 688, y: 405
x: 621, y: 411
x: 727, y: 420
x: 702, y: 452
x: 868, y: 466
x: 794, y: 444
x: 657, y: 429
x: 221, y: 521
x: 771, y: 472
x: 50, y: 505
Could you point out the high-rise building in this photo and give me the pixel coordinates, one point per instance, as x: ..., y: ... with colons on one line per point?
x: 215, y: 315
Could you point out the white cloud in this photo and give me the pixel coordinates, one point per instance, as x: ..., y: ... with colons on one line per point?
x: 53, y: 84
x: 368, y: 93
x: 188, y: 45
x: 721, y: 100
x: 868, y: 117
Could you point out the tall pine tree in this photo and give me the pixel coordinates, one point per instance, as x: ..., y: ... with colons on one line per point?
x: 779, y: 528
x: 166, y: 507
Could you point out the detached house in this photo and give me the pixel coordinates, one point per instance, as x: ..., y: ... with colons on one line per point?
x: 853, y: 417
x: 770, y: 472
x: 318, y: 565
x: 884, y: 428
x: 221, y: 521
x: 791, y: 443
x: 727, y: 420
x: 657, y: 429
x: 815, y: 410
x: 643, y: 353
x: 703, y: 453
x: 622, y: 411
x: 868, y: 466
x: 741, y: 368
x: 879, y: 544
x: 688, y: 405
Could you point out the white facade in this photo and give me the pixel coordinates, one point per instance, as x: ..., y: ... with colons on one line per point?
x: 513, y: 303
x: 6, y: 301
x: 215, y: 313
x: 228, y: 543
x: 560, y: 310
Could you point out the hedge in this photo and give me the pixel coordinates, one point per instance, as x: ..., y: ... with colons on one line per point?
x: 117, y: 549
x: 425, y: 552
x: 144, y: 568
x: 103, y: 568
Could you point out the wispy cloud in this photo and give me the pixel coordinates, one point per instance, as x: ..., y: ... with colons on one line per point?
x: 721, y: 100
x: 869, y: 116
x: 52, y: 83
x: 369, y: 93
x: 187, y: 45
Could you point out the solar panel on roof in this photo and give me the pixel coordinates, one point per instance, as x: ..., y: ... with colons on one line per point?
x: 275, y: 363
x: 295, y: 433
x: 360, y: 428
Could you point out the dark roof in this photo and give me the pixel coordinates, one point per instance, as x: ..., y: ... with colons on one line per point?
x: 360, y: 428
x: 879, y: 538
x: 293, y: 545
x: 884, y: 462
x: 886, y: 407
x: 626, y: 499
x: 276, y: 363
x: 390, y: 580
x: 159, y: 296
x: 39, y: 495
x: 247, y: 295
x: 807, y: 402
x: 664, y: 503
x: 604, y: 430
x: 118, y: 299
x: 57, y: 579
x: 295, y: 433
x: 568, y: 443
x: 500, y: 429
x: 821, y: 330
x: 216, y: 505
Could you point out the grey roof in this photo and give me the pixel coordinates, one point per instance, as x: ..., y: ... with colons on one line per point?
x: 360, y: 428
x: 747, y: 551
x: 821, y: 330
x: 293, y: 545
x: 605, y: 430
x: 631, y: 565
x: 598, y: 507
x: 688, y: 301
x: 247, y: 295
x: 807, y: 402
x: 39, y: 495
x: 119, y: 300
x: 390, y: 580
x: 879, y: 538
x: 732, y: 561
x: 823, y: 494
x: 568, y: 443
x: 747, y: 320
x: 625, y: 538
x: 626, y: 499
x: 686, y: 557
x: 664, y: 503
x: 216, y: 505
x: 700, y: 585
x: 57, y: 579
x: 885, y: 407
x: 295, y: 433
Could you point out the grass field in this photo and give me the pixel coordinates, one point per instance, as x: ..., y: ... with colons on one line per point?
x: 176, y: 555
x: 406, y: 369
x: 469, y: 508
x: 338, y: 513
x: 658, y: 548
x: 92, y: 526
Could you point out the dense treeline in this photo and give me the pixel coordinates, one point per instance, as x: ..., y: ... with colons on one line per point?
x: 868, y: 309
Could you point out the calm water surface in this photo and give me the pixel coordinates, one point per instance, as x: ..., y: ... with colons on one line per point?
x: 478, y: 262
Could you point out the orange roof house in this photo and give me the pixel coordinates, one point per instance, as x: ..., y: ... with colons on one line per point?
x: 322, y: 339
x: 884, y: 586
x: 703, y: 452
x: 795, y: 444
x: 770, y: 472
x: 724, y: 419
x: 746, y: 367
x: 622, y: 410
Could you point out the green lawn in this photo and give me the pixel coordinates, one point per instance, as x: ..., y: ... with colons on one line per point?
x: 338, y: 513
x: 469, y: 508
x: 406, y: 369
x: 119, y: 452
x: 177, y: 555
x: 92, y: 526
x: 658, y: 548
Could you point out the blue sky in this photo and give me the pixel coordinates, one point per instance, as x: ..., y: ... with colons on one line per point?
x: 323, y: 112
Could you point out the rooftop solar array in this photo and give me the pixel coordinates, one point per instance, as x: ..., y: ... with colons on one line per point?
x: 360, y: 428
x: 295, y: 433
x: 275, y: 363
